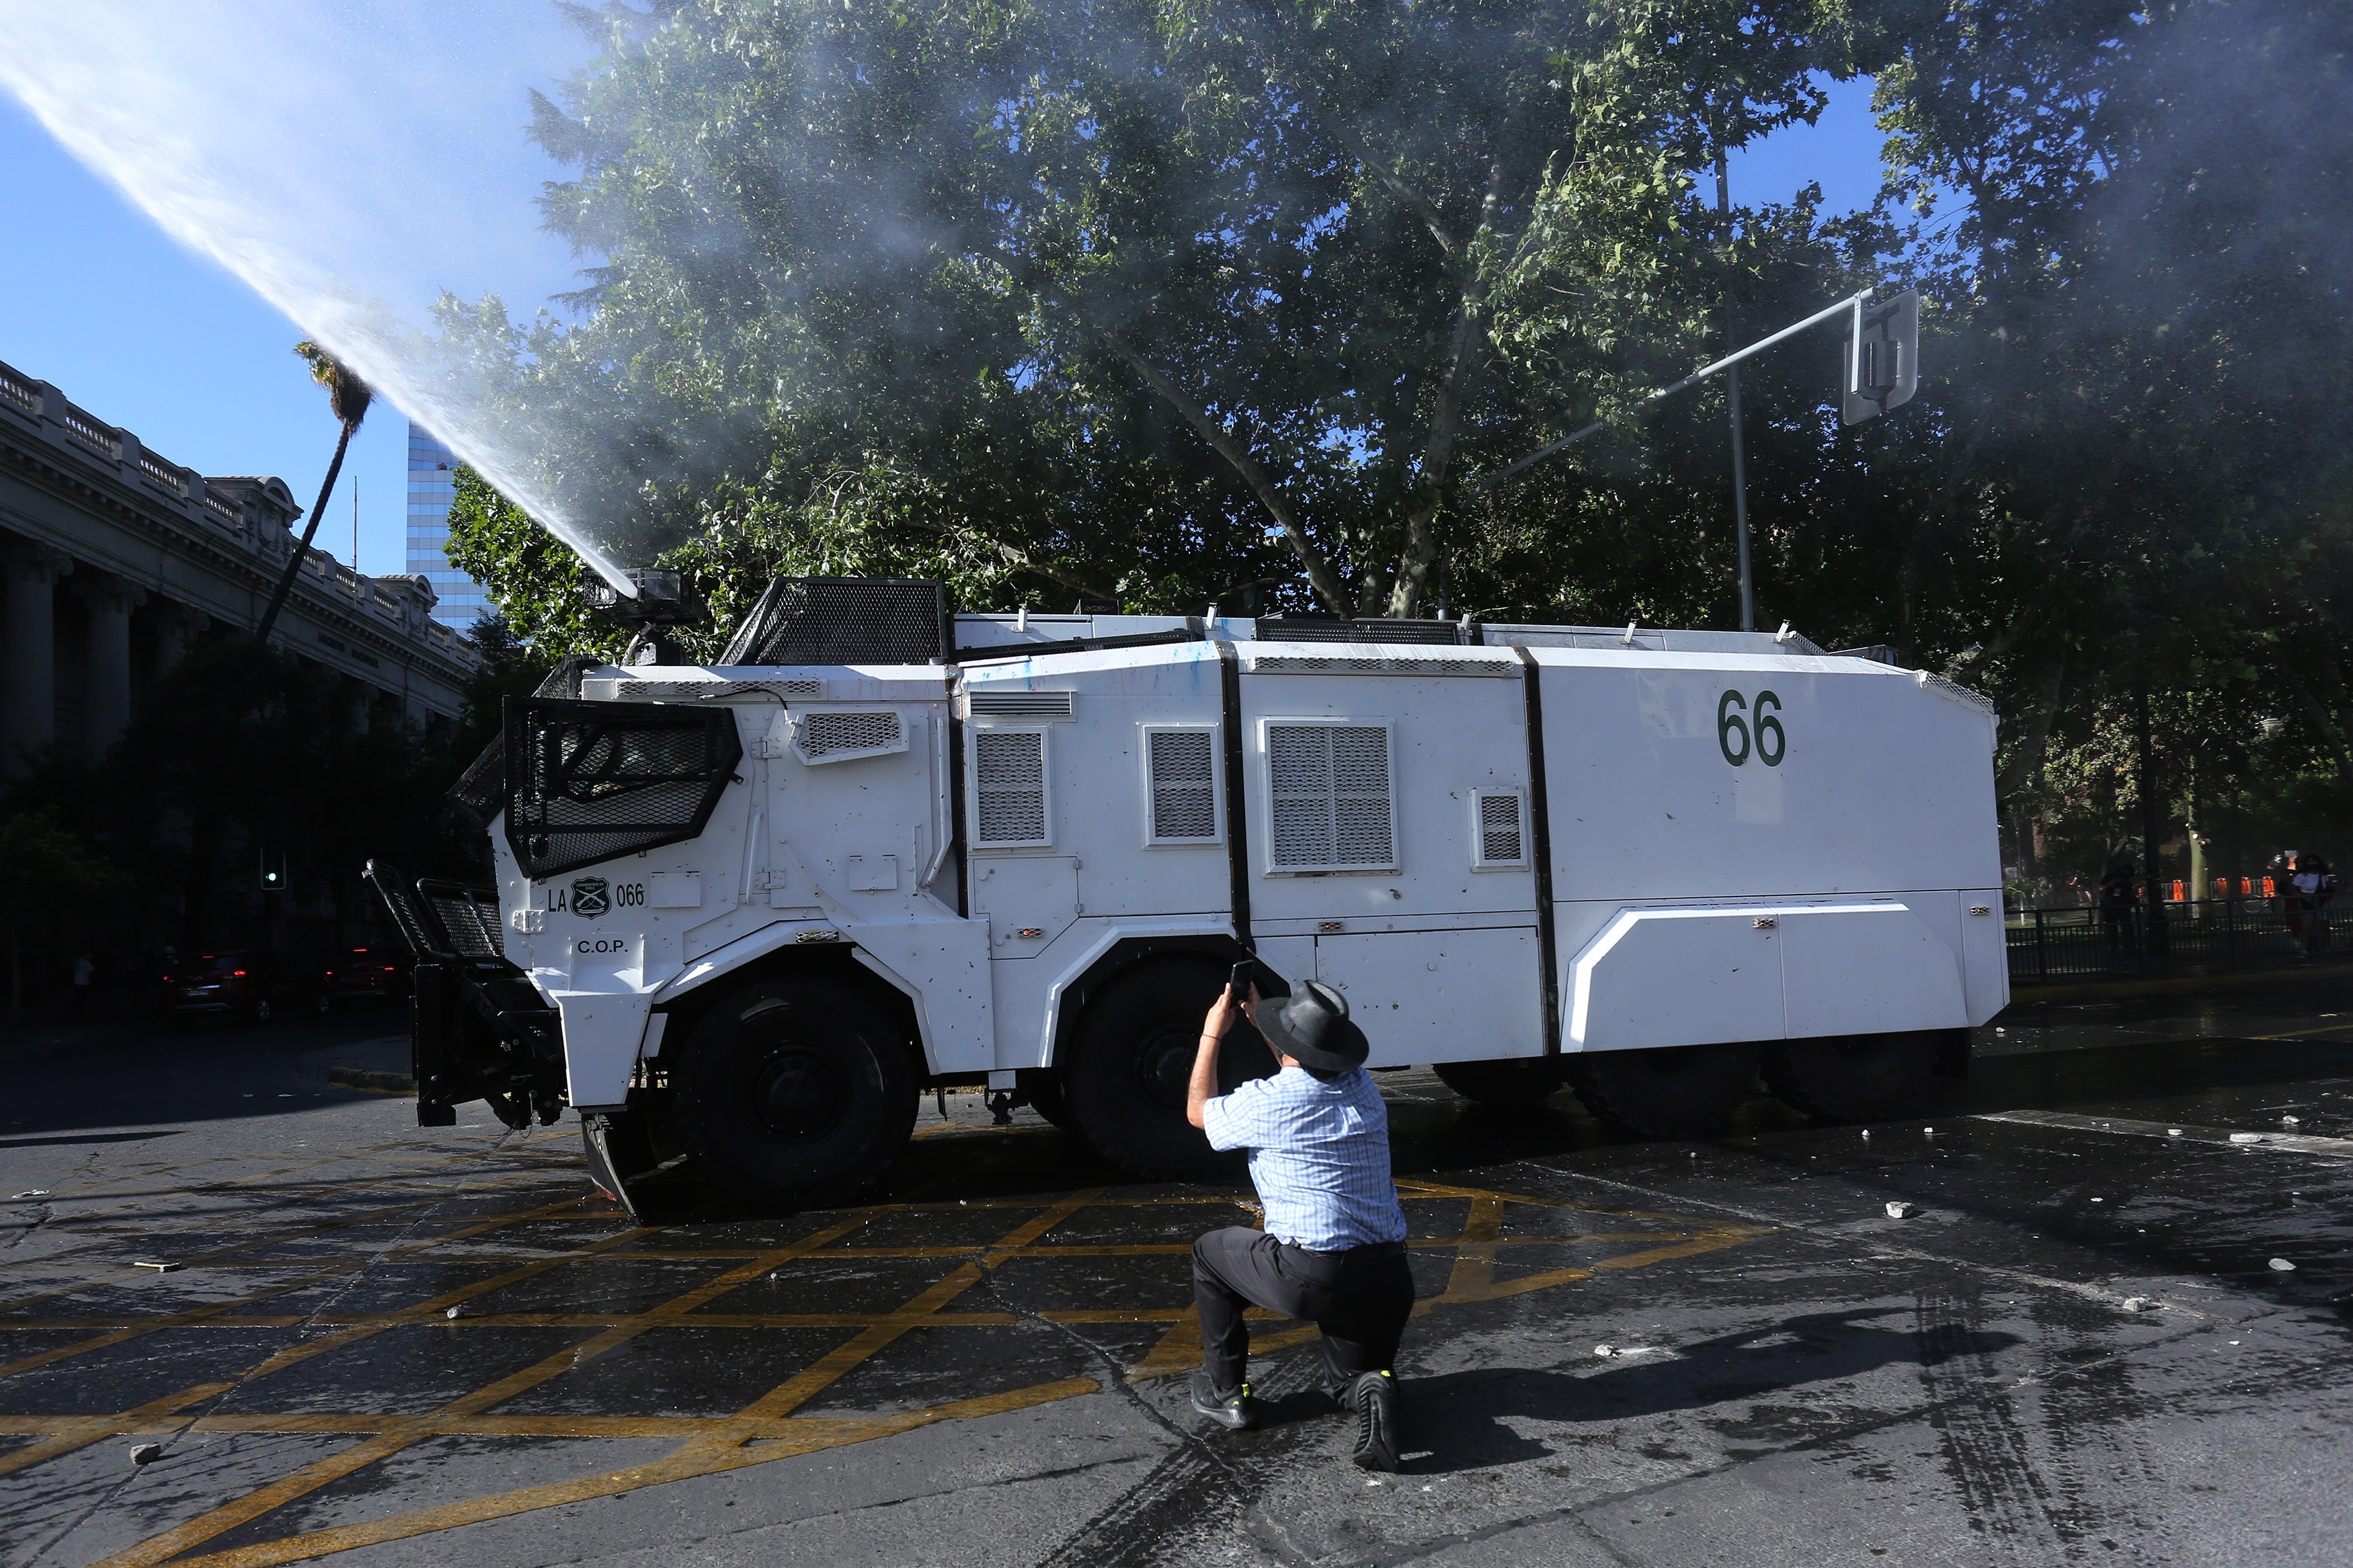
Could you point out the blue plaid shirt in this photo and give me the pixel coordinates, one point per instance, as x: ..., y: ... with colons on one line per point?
x: 1319, y: 1155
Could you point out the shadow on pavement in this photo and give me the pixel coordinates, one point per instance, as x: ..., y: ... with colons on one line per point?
x: 1456, y: 1421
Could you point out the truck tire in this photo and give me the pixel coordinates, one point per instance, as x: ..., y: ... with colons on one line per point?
x: 1521, y: 1083
x: 1853, y: 1077
x: 1672, y: 1091
x: 795, y: 1092
x: 1134, y: 1058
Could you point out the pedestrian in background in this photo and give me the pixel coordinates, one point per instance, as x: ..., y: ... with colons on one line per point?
x: 2119, y: 892
x: 1333, y: 1247
x: 2313, y: 884
x: 85, y: 969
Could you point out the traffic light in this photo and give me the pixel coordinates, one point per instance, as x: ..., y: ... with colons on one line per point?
x: 1881, y: 357
x: 273, y: 870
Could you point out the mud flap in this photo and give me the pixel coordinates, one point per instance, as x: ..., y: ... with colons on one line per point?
x: 1952, y: 1055
x: 428, y: 1045
x: 618, y: 1152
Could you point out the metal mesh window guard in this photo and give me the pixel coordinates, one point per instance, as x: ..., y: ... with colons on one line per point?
x: 1500, y: 840
x: 1009, y: 787
x: 469, y: 916
x: 481, y: 791
x: 1329, y: 794
x: 844, y: 620
x: 833, y: 737
x: 1184, y: 785
x: 400, y: 903
x: 588, y: 781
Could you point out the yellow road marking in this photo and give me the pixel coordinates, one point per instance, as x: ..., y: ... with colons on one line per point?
x: 768, y: 1427
x: 684, y: 1465
x: 195, y: 1315
x: 73, y: 1432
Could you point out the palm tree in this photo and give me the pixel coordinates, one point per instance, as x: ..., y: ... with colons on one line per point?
x: 347, y: 397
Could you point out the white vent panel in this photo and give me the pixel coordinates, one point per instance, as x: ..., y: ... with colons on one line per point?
x: 1008, y: 770
x: 841, y: 737
x: 1183, y: 778
x: 1328, y: 791
x: 1343, y: 664
x: 1503, y: 841
x: 1018, y: 704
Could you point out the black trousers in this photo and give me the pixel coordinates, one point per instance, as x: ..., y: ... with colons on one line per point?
x: 1360, y: 1299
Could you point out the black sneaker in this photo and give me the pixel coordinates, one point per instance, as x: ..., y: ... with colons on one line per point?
x: 1374, y: 1398
x: 1232, y: 1407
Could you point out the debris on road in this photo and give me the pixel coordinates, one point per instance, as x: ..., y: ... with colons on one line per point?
x: 2247, y: 1137
x: 2139, y: 1304
x: 2282, y: 1265
x: 35, y: 1193
x: 451, y: 1313
x: 2173, y: 1132
x: 146, y: 1453
x: 158, y: 1268
x: 1605, y: 1351
x: 1899, y: 1211
x: 2290, y: 1121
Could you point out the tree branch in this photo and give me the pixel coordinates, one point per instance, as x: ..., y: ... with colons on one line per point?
x: 2029, y: 755
x: 1445, y: 426
x: 2321, y: 718
x: 1406, y: 194
x: 1327, y: 582
x: 1019, y: 559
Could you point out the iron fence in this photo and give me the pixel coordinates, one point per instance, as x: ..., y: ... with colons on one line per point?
x: 2190, y: 937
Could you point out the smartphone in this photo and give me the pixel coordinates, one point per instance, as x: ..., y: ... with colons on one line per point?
x: 1240, y: 982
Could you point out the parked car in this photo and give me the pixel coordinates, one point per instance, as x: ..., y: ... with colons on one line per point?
x: 378, y: 975
x: 255, y: 984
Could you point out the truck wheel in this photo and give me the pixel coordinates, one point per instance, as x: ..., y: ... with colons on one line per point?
x: 797, y: 1091
x: 1852, y: 1077
x: 1673, y: 1091
x: 1134, y: 1058
x: 1520, y: 1082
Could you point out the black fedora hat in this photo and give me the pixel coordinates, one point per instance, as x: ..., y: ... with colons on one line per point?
x: 1311, y: 1027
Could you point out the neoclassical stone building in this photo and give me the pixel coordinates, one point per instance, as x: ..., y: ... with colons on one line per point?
x: 115, y: 559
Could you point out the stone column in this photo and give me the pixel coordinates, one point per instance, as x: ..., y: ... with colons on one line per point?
x: 106, y: 700
x: 177, y: 627
x: 29, y: 645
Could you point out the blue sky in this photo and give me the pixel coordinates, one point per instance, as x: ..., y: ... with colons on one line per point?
x: 96, y: 299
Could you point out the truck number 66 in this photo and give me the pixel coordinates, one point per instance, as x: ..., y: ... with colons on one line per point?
x: 1771, y: 742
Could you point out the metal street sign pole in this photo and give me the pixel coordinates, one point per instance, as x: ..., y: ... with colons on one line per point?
x: 1739, y: 457
x: 1852, y: 303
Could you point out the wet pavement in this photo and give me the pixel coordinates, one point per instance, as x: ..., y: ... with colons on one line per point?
x: 352, y: 1338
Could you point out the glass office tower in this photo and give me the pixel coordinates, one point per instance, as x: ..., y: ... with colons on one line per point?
x: 430, y: 465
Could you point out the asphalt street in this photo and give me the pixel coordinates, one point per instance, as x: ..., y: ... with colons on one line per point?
x: 354, y: 1339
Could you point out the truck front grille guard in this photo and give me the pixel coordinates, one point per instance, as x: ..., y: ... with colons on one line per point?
x: 479, y: 1029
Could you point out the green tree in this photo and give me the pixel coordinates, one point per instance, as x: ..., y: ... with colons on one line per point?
x: 1153, y: 301
x: 52, y: 876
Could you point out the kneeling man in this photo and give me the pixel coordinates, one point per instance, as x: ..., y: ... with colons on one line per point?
x: 1333, y: 1246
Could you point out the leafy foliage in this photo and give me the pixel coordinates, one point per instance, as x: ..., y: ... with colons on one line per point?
x: 1168, y: 301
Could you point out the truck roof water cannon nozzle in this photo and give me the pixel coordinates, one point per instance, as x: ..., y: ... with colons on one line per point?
x: 663, y: 601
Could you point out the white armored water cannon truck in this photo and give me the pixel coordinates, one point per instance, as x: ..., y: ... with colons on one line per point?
x: 749, y: 912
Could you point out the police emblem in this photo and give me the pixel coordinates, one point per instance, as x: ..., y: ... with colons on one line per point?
x: 590, y: 896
